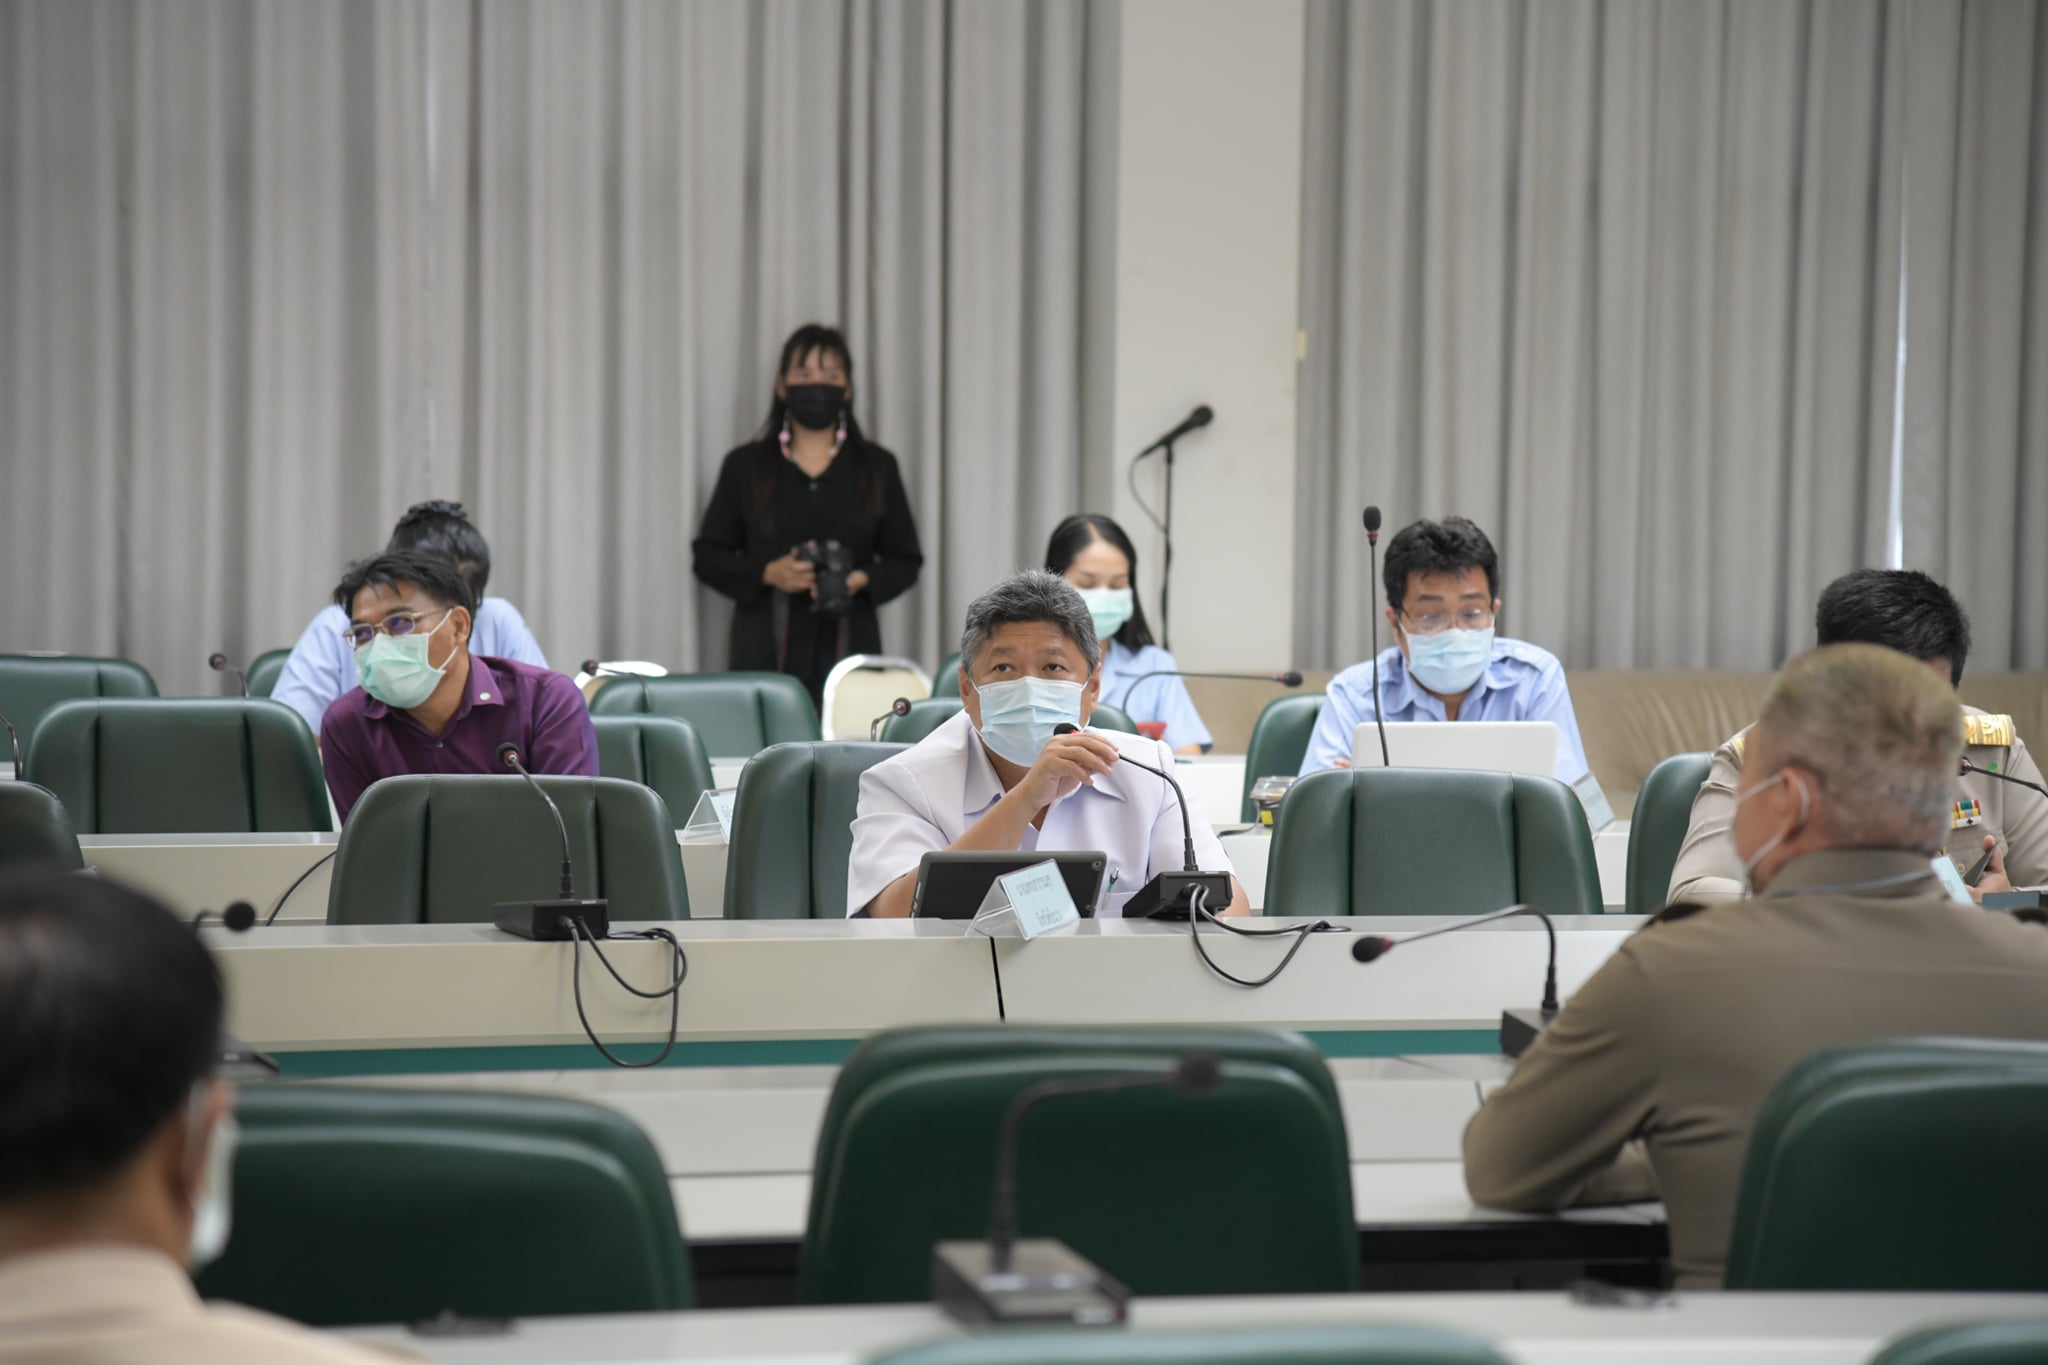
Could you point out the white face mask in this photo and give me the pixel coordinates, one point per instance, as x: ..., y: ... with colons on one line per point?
x: 214, y: 1213
x: 1019, y: 715
x: 1805, y: 812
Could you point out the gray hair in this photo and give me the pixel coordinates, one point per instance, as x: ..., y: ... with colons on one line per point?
x: 1033, y: 595
x: 1882, y: 731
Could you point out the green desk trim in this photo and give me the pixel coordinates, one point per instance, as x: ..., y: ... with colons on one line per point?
x: 782, y: 1052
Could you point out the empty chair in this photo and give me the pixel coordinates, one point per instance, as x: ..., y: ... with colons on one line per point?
x: 1418, y: 841
x: 2020, y: 1341
x: 30, y: 684
x: 656, y: 751
x: 1375, y: 1344
x: 181, y: 765
x: 1663, y: 810
x: 1244, y: 1189
x: 861, y: 687
x: 35, y: 832
x: 445, y: 850
x: 1279, y: 743
x: 1910, y: 1165
x: 736, y: 715
x: 791, y: 831
x: 359, y: 1205
x: 265, y: 670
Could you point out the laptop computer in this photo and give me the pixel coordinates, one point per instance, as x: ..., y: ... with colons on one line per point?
x: 1488, y: 746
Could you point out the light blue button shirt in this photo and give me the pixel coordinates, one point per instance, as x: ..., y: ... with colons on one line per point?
x: 323, y: 663
x: 1164, y: 699
x: 1522, y: 683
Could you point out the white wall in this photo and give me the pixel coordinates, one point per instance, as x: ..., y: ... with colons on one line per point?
x: 1208, y: 237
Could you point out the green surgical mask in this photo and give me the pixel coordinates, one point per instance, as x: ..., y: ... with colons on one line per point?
x: 1110, y: 607
x: 394, y: 668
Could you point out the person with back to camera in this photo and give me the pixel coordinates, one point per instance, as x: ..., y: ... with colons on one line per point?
x: 1093, y: 553
x: 809, y: 529
x: 322, y: 666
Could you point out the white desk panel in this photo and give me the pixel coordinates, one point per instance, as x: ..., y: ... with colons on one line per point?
x: 194, y: 872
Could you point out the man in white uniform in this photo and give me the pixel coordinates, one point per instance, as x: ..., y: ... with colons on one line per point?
x: 997, y: 777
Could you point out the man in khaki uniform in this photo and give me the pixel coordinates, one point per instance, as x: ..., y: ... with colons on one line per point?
x: 1650, y: 1078
x: 115, y: 1140
x: 1907, y: 611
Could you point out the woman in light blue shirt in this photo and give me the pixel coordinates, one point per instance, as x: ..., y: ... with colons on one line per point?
x: 1093, y: 553
x: 322, y: 665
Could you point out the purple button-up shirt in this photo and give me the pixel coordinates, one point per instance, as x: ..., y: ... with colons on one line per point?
x: 362, y: 739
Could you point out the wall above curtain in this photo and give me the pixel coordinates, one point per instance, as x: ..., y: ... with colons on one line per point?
x: 1622, y: 282
x: 269, y: 273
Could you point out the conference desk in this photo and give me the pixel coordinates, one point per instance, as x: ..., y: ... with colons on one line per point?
x: 1528, y: 1328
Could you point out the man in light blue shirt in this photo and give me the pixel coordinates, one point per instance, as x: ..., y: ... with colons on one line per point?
x: 1443, y: 594
x: 322, y: 665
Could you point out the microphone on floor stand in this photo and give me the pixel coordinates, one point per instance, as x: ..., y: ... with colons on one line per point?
x: 1518, y: 1027
x: 898, y: 707
x: 592, y: 668
x: 219, y: 664
x: 1379, y: 718
x: 548, y: 919
x: 1040, y: 1279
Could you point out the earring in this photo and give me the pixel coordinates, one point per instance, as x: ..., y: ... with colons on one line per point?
x: 783, y: 437
x: 839, y: 436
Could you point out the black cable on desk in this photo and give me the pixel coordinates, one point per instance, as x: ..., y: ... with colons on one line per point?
x: 1199, y: 911
x: 996, y: 966
x: 672, y: 991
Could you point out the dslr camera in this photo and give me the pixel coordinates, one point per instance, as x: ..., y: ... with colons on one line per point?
x: 833, y: 562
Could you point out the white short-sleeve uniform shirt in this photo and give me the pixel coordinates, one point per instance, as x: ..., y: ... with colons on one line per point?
x: 924, y: 798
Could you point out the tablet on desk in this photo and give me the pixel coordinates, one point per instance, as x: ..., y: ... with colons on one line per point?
x: 1487, y: 746
x: 952, y: 885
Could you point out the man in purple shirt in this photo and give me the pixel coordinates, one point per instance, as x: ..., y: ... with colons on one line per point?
x: 427, y: 705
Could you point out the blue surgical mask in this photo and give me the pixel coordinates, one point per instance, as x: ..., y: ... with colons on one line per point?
x: 1110, y: 607
x: 1018, y: 715
x: 1449, y: 662
x: 394, y: 668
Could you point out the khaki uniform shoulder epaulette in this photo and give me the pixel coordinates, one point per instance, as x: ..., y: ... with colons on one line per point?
x: 1988, y: 732
x: 1677, y: 911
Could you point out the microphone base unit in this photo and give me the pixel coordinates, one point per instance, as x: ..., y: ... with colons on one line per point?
x: 1171, y: 895
x: 549, y: 920
x: 1519, y: 1029
x: 2010, y: 901
x: 1046, y: 1283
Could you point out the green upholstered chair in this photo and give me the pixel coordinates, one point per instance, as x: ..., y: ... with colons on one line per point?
x: 359, y: 1205
x: 2020, y: 1341
x: 35, y: 832
x: 181, y: 765
x: 1374, y: 1344
x: 444, y: 850
x: 1132, y: 1180
x: 1909, y: 1165
x: 946, y: 682
x: 736, y: 715
x: 1279, y: 742
x: 928, y: 715
x: 30, y: 684
x: 1663, y: 810
x: 656, y: 751
x: 1424, y: 841
x: 791, y: 829
x: 266, y: 669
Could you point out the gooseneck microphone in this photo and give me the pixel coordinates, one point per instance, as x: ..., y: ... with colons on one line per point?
x: 898, y: 707
x: 1372, y: 541
x: 237, y: 1057
x: 238, y: 917
x: 219, y: 664
x: 1040, y: 1279
x: 555, y: 919
x: 1290, y: 678
x: 1965, y: 768
x: 14, y: 741
x: 593, y: 668
x: 1518, y: 1028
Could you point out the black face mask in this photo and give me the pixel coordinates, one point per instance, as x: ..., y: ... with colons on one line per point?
x: 815, y: 407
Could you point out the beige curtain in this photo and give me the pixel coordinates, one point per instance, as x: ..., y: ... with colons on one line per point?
x: 1620, y: 282
x: 270, y: 272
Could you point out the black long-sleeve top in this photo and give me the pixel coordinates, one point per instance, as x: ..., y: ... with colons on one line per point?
x: 763, y: 507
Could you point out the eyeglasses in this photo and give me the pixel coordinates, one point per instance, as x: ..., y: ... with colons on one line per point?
x: 1437, y: 622
x: 398, y: 624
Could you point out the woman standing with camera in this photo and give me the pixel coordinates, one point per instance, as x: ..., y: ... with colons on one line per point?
x: 809, y: 529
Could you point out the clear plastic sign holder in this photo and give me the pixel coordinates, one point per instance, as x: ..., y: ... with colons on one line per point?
x: 1027, y: 903
x: 711, y: 821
